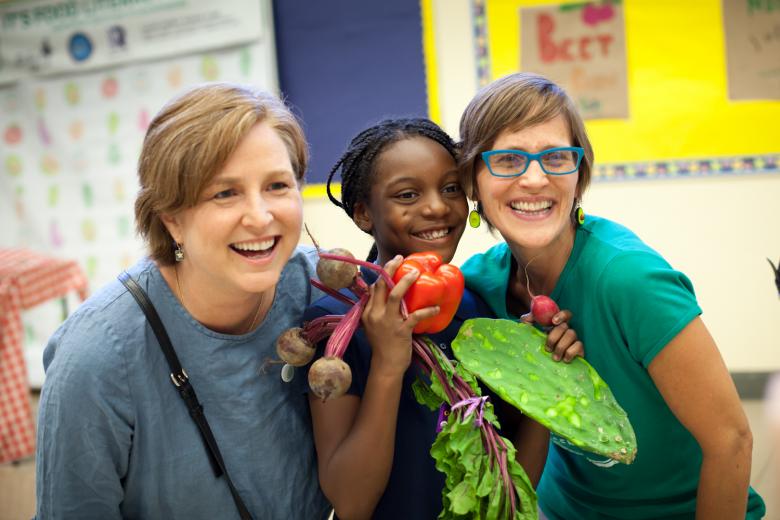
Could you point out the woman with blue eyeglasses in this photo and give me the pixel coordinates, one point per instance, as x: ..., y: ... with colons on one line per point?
x: 526, y: 161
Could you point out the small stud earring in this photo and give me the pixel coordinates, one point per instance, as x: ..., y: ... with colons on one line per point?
x: 178, y: 253
x: 474, y: 218
x: 579, y: 213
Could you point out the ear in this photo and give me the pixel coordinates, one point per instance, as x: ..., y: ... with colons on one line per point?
x: 362, y: 218
x: 171, y: 223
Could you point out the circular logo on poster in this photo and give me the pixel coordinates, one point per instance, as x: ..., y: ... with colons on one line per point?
x: 80, y: 46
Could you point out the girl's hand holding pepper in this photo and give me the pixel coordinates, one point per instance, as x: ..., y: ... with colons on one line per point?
x: 562, y: 341
x: 389, y: 334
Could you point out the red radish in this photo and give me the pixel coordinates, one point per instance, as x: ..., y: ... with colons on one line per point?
x: 543, y: 308
x: 294, y: 348
x: 329, y: 377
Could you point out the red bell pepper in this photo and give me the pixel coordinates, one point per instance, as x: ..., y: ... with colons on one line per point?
x: 438, y: 284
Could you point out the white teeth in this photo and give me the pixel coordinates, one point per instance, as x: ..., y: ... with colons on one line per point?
x: 433, y: 235
x: 532, y: 206
x: 255, y: 246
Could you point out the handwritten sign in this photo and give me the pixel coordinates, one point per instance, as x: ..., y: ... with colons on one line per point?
x: 752, y: 30
x: 582, y: 48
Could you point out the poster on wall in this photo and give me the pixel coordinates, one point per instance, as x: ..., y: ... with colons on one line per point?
x: 80, y: 81
x: 56, y: 36
x: 69, y: 147
x: 582, y: 47
x: 752, y: 31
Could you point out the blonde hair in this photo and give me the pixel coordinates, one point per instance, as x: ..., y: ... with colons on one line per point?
x: 515, y: 102
x: 189, y: 141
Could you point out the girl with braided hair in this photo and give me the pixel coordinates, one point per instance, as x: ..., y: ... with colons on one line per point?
x: 399, y: 183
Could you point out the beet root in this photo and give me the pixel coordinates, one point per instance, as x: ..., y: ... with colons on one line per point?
x: 293, y: 348
x: 543, y: 308
x: 329, y: 377
x: 335, y: 273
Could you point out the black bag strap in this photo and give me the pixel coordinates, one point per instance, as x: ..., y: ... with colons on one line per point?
x: 186, y: 391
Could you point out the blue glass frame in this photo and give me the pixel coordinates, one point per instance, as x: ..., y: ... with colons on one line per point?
x: 530, y: 157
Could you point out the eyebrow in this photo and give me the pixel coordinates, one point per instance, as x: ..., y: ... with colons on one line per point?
x: 543, y: 148
x: 230, y: 179
x: 409, y: 178
x: 413, y: 178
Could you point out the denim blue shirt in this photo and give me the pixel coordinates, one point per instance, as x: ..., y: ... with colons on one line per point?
x: 115, y: 440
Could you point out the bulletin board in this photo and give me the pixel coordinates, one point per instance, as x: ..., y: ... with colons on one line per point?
x: 681, y: 121
x: 368, y: 66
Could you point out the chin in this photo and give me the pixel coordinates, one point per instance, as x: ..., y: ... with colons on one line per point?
x: 261, y: 282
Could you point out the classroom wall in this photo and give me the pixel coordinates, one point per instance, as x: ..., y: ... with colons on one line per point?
x: 718, y: 229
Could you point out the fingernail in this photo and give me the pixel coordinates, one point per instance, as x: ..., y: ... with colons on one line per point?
x: 556, y: 357
x: 548, y: 348
x: 556, y: 320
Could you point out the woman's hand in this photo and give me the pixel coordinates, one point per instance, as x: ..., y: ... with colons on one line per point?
x: 562, y: 340
x: 389, y: 334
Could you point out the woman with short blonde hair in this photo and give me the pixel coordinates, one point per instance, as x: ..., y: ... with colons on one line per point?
x: 220, y: 209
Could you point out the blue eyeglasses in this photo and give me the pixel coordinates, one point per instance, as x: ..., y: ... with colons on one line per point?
x: 513, y: 163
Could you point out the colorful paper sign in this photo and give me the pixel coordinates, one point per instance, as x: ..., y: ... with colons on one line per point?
x: 582, y: 47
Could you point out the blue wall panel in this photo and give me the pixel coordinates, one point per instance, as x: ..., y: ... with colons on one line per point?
x: 345, y: 64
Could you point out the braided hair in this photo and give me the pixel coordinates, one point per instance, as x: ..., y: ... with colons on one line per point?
x: 357, y: 163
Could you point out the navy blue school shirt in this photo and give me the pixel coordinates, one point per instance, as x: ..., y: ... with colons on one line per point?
x: 414, y: 489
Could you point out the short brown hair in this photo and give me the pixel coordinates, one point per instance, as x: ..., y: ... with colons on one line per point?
x: 189, y: 141
x: 515, y: 102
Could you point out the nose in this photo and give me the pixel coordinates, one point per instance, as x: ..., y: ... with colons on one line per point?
x: 534, y: 177
x: 256, y: 212
x: 435, y: 205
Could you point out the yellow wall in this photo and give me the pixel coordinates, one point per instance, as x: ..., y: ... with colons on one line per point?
x: 677, y: 86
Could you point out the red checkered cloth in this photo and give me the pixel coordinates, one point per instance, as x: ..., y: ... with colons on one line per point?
x: 26, y: 279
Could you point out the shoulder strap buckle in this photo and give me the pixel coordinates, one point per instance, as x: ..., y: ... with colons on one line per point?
x: 180, y: 378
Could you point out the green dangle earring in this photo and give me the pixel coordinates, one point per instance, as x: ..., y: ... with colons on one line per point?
x: 579, y: 213
x: 474, y: 218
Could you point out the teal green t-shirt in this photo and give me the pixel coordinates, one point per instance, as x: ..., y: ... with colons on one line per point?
x: 627, y: 304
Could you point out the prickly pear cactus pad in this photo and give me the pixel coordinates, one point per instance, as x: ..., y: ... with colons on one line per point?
x: 571, y: 399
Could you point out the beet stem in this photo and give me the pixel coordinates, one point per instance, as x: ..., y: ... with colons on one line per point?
x: 342, y: 334
x: 343, y: 298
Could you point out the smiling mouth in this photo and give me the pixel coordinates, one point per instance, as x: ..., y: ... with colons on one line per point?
x: 433, y: 234
x: 532, y: 208
x: 255, y: 249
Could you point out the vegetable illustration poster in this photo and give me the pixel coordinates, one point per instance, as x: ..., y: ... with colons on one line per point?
x: 582, y: 47
x: 752, y: 32
x: 69, y: 147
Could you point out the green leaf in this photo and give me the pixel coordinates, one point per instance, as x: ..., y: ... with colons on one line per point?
x: 462, y: 498
x: 570, y: 399
x: 425, y: 395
